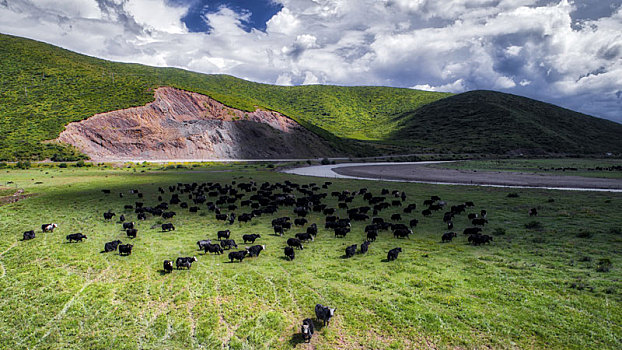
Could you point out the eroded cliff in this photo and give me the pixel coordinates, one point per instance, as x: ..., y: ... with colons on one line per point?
x: 186, y: 125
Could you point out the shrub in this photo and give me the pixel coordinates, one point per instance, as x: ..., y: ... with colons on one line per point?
x: 534, y: 225
x: 270, y: 166
x: 22, y: 164
x: 325, y: 161
x: 62, y: 165
x: 604, y: 265
x: 585, y: 259
x: 499, y: 231
x: 615, y: 231
x: 80, y: 163
x: 3, y: 165
x: 585, y: 234
x: 513, y: 195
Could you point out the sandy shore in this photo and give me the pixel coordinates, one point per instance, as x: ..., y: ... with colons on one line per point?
x: 424, y: 173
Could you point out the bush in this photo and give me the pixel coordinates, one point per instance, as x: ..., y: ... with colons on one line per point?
x: 80, y: 163
x: 270, y: 166
x: 499, y: 231
x: 604, y: 265
x: 325, y: 161
x: 3, y: 165
x: 23, y: 164
x: 534, y: 225
x: 513, y: 195
x: 62, y: 165
x: 615, y: 231
x: 585, y: 234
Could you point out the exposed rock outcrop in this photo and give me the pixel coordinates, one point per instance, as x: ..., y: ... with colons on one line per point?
x: 186, y: 125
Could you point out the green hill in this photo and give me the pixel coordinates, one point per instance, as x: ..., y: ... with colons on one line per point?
x: 43, y: 87
x: 494, y: 122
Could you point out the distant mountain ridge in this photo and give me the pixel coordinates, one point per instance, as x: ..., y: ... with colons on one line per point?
x: 43, y: 88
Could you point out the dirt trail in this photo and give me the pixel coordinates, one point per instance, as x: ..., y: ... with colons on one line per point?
x: 421, y: 172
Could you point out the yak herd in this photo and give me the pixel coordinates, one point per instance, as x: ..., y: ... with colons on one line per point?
x: 266, y: 199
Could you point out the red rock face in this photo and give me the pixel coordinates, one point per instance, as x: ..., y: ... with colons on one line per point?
x: 186, y: 125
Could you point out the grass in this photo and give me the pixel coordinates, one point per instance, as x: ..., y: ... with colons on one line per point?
x: 513, y: 293
x: 497, y: 123
x: 588, y: 167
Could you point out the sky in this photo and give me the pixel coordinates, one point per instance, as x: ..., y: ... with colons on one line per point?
x: 564, y: 52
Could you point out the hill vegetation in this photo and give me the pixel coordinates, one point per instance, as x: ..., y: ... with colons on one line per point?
x: 498, y: 123
x: 43, y: 88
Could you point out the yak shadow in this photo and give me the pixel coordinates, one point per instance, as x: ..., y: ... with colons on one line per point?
x: 385, y: 260
x: 163, y: 272
x: 284, y: 258
x: 296, y: 339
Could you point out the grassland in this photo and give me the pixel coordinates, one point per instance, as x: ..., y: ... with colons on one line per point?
x: 531, y: 288
x: 603, y: 168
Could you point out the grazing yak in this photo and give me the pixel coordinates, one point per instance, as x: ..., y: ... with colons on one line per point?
x: 125, y: 249
x: 185, y: 262
x: 108, y: 216
x: 239, y: 255
x: 78, y: 237
x: 307, y: 329
x: 224, y: 234
x: 372, y: 235
x: 479, y: 222
x: 228, y: 244
x: 365, y: 247
x: 278, y: 230
x: 312, y: 229
x: 448, y: 236
x: 250, y: 238
x: 122, y: 218
x: 324, y: 313
x: 48, y: 227
x: 111, y: 246
x: 533, y: 212
x: 294, y: 242
x: 472, y: 230
x: 212, y: 248
x: 29, y: 235
x: 168, y: 227
x: 341, y: 231
x: 300, y: 221
x: 350, y: 251
x: 478, y: 239
x: 289, y: 253
x: 393, y: 253
x: 128, y: 225
x: 168, y: 266
x: 402, y: 232
x: 305, y: 237
x: 255, y: 250
x: 131, y: 232
x: 202, y: 243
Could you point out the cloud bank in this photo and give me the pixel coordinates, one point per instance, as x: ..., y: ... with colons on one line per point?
x: 563, y: 52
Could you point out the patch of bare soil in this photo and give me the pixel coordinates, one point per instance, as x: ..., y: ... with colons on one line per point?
x: 421, y: 172
x: 185, y: 125
x: 15, y: 197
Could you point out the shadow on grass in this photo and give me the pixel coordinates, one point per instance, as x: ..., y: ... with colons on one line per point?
x: 385, y: 260
x: 284, y: 258
x: 163, y: 272
x: 296, y: 339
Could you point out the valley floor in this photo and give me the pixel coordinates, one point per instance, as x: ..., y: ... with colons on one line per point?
x: 539, y: 284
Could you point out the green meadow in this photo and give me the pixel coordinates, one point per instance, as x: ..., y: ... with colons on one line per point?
x: 548, y: 286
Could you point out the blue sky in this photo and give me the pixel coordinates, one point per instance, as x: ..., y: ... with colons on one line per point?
x: 260, y: 11
x: 564, y: 52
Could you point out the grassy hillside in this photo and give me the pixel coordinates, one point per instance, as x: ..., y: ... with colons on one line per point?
x: 42, y: 88
x: 536, y: 288
x: 493, y: 122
